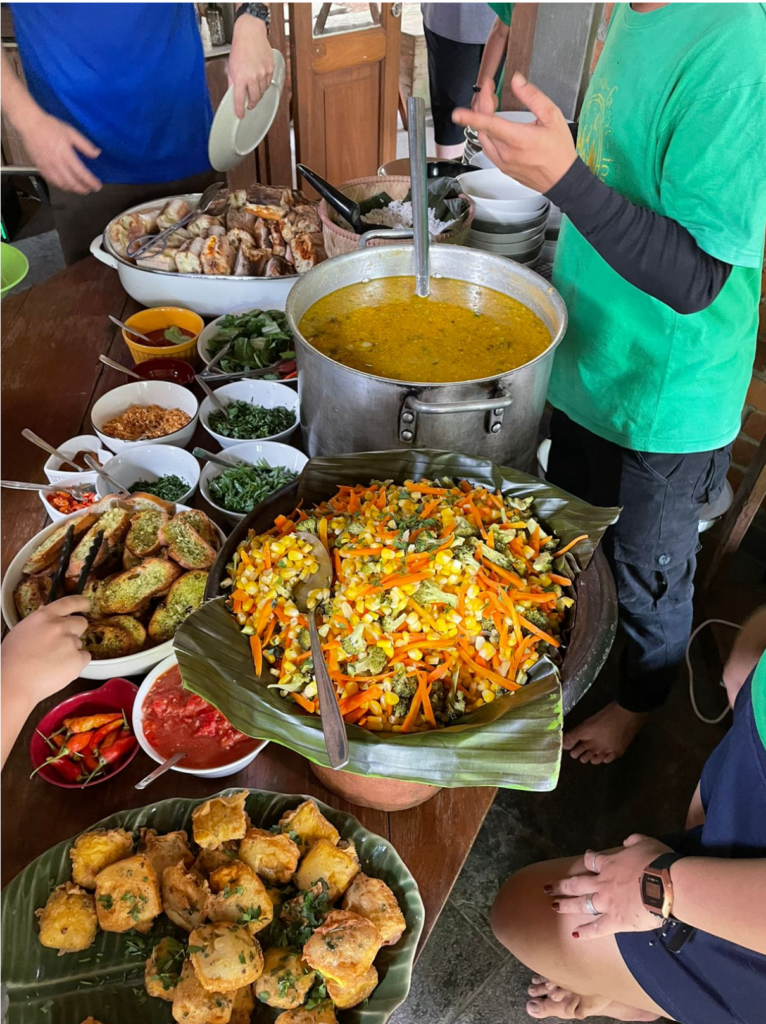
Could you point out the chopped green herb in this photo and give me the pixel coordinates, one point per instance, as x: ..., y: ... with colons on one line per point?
x: 169, y: 488
x: 259, y: 338
x: 106, y: 902
x: 242, y: 487
x: 250, y: 422
x: 237, y: 890
x: 317, y: 994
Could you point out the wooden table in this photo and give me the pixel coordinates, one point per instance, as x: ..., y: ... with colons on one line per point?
x: 52, y: 337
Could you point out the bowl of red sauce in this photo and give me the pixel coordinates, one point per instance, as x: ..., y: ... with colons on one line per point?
x: 172, y: 332
x: 176, y: 371
x: 88, y: 738
x: 168, y: 718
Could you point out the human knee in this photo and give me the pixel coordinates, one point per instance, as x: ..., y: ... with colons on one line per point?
x: 515, y: 912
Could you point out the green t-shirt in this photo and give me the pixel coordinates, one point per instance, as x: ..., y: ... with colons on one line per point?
x: 758, y: 696
x: 504, y: 13
x: 675, y: 121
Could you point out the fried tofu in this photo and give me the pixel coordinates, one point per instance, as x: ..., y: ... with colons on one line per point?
x: 354, y: 992
x: 321, y: 1014
x: 225, y: 956
x: 216, y: 857
x: 193, y: 1004
x: 286, y: 979
x: 343, y: 948
x: 128, y: 895
x: 273, y: 857
x: 163, y: 968
x: 244, y: 1004
x: 96, y: 850
x: 68, y: 919
x: 184, y: 896
x: 372, y: 898
x: 220, y: 819
x: 166, y: 850
x: 237, y: 894
x: 336, y: 865
x: 306, y: 824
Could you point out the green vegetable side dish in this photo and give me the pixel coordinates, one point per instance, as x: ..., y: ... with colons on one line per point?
x: 169, y: 488
x: 242, y: 487
x: 259, y: 338
x: 248, y: 422
x: 175, y: 335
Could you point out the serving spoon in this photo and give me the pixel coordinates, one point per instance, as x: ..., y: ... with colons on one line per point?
x: 131, y: 330
x: 213, y: 396
x: 76, y: 490
x: 118, y: 488
x: 114, y: 365
x: 200, y: 453
x: 161, y: 769
x: 140, y: 245
x: 30, y: 435
x: 333, y: 726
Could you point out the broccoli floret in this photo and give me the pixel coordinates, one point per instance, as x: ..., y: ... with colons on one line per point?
x: 425, y: 541
x: 463, y: 528
x: 304, y: 640
x: 428, y: 593
x: 537, y: 618
x: 391, y: 624
x: 298, y: 681
x: 498, y: 557
x: 488, y: 627
x: 414, y: 522
x: 355, y: 643
x: 310, y: 525
x: 543, y: 562
x: 355, y: 528
x: 372, y: 664
x: 447, y: 707
x: 456, y: 706
x: 405, y: 690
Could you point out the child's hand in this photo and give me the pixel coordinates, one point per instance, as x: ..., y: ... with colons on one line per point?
x: 42, y: 653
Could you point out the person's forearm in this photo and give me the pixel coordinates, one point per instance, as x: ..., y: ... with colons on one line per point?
x: 18, y: 105
x: 724, y: 897
x: 651, y: 252
x: 494, y: 50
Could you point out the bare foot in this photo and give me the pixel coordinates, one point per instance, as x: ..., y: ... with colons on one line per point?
x: 604, y: 736
x: 550, y: 1000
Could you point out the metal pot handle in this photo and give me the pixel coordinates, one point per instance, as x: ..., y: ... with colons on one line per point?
x: 412, y: 407
x: 394, y: 233
x: 98, y: 252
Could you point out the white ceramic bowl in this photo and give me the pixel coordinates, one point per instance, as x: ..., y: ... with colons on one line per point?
x: 510, y: 248
x: 81, y: 443
x: 106, y: 668
x: 250, y: 451
x: 203, y: 342
x: 507, y: 237
x: 150, y: 462
x: 145, y: 392
x: 138, y: 728
x: 512, y: 223
x: 53, y: 514
x: 495, y: 195
x: 266, y: 393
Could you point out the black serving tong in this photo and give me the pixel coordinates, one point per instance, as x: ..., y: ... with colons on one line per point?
x: 87, y: 565
x: 342, y: 204
x: 57, y: 581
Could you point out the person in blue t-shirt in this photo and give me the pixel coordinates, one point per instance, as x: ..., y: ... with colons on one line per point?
x: 116, y: 109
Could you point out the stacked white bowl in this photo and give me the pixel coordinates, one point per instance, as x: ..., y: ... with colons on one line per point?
x: 510, y: 218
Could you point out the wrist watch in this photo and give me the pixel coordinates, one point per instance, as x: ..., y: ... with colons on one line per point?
x: 257, y: 10
x: 657, y: 885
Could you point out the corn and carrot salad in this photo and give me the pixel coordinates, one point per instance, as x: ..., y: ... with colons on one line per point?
x: 443, y: 598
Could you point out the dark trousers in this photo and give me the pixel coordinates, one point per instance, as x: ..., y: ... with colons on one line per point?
x: 452, y: 72
x: 79, y: 219
x: 652, y: 548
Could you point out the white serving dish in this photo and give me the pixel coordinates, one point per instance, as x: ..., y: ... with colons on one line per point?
x: 250, y: 451
x: 53, y: 514
x: 106, y: 668
x: 150, y: 462
x: 510, y: 247
x: 266, y: 393
x: 83, y: 442
x: 145, y: 392
x: 495, y: 195
x: 206, y: 294
x: 512, y: 223
x: 507, y: 237
x: 203, y: 341
x: 138, y: 728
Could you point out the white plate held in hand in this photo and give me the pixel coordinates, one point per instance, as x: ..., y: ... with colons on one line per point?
x: 231, y: 139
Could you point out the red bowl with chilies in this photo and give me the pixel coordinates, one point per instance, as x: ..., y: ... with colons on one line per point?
x: 115, y: 695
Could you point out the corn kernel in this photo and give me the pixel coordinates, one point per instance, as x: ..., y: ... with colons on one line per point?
x: 487, y: 651
x: 488, y: 696
x: 391, y: 699
x: 387, y: 554
x: 295, y: 556
x: 375, y: 723
x: 350, y: 689
x: 415, y: 654
x: 375, y: 707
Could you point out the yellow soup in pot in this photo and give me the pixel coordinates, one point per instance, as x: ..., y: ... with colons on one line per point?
x: 461, y: 331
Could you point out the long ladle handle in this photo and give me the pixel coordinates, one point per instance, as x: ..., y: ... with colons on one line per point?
x: 416, y: 111
x: 333, y: 726
x: 30, y: 435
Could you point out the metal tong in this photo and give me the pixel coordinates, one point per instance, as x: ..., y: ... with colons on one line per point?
x: 143, y: 244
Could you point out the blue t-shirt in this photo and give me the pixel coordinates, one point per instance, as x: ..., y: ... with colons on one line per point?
x: 130, y: 77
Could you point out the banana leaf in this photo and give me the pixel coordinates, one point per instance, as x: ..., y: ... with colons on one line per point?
x: 106, y: 981
x: 445, y: 198
x: 514, y: 742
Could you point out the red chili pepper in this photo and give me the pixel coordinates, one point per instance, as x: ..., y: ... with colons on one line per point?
x: 118, y: 749
x: 66, y: 769
x: 58, y: 740
x: 107, y: 741
x: 99, y: 734
x: 90, y: 762
x: 78, y: 742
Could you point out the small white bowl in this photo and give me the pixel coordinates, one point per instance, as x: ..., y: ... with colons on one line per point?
x: 138, y: 728
x: 203, y: 341
x: 250, y: 451
x: 150, y: 462
x: 512, y: 223
x: 145, y: 392
x: 81, y: 443
x: 53, y: 513
x: 266, y: 393
x: 498, y: 197
x: 509, y: 237
x: 510, y: 248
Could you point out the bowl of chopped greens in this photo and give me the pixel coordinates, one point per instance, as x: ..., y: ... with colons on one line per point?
x: 168, y: 472
x: 256, y: 410
x: 258, y: 469
x: 256, y: 339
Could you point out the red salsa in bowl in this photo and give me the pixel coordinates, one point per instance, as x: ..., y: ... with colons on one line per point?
x: 176, y: 719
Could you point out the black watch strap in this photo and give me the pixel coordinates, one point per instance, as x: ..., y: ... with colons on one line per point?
x: 665, y: 860
x: 257, y: 10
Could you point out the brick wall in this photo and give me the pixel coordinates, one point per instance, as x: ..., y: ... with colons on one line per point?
x: 754, y: 413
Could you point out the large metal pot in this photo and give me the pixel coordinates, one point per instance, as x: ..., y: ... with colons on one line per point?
x: 345, y: 410
x: 208, y: 295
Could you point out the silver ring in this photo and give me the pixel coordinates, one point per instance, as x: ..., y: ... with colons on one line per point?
x: 593, y: 868
x: 589, y: 905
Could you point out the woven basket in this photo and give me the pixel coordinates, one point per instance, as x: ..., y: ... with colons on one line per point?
x: 338, y: 239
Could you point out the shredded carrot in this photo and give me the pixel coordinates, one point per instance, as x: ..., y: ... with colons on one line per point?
x: 257, y: 652
x: 401, y: 581
x: 495, y: 677
x: 424, y: 489
x: 423, y: 613
x: 307, y: 705
x: 322, y: 531
x: 563, y: 581
x: 428, y: 509
x: 571, y: 544
x: 428, y: 711
x: 538, y: 632
x: 267, y: 554
x: 357, y: 699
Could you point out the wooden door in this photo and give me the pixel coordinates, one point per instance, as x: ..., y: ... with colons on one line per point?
x: 345, y: 86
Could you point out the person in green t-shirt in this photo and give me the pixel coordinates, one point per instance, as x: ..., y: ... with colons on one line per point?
x: 659, y: 262
x: 493, y: 58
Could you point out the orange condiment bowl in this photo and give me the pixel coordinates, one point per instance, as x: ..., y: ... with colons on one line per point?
x: 159, y: 318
